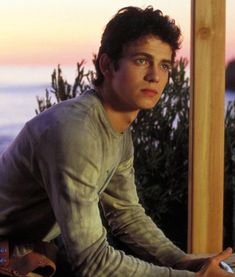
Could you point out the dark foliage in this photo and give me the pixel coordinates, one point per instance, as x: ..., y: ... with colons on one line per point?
x: 62, y: 90
x: 229, y: 176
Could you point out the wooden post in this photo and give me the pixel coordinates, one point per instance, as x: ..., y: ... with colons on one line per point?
x: 206, y: 153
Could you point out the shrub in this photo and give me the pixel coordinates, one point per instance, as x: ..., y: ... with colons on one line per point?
x: 61, y: 90
x: 229, y: 176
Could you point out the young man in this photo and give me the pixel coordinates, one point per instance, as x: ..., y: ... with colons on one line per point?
x: 79, y: 154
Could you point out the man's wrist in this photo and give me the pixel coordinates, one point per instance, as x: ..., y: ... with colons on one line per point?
x: 190, y: 263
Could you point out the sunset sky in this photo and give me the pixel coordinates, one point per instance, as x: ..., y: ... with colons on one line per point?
x: 66, y: 31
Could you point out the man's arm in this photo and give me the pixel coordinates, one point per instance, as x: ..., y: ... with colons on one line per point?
x: 129, y: 222
x: 70, y: 168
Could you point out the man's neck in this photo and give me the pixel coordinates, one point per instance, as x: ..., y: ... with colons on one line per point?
x: 120, y: 120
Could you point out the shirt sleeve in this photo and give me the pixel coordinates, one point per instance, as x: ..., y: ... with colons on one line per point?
x: 131, y: 225
x: 69, y: 163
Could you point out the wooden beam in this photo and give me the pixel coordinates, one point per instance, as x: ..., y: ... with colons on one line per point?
x: 206, y: 153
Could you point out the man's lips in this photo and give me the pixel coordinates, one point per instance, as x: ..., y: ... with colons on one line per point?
x: 149, y: 92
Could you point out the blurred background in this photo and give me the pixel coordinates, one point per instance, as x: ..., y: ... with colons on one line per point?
x: 36, y: 36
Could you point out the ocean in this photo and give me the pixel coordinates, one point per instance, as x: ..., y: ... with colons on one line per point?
x: 19, y: 87
x: 17, y: 106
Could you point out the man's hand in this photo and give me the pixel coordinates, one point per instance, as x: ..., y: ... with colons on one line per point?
x: 205, y: 267
x: 212, y: 267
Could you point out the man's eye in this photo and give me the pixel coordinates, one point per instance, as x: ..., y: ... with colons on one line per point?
x: 141, y: 61
x: 166, y: 67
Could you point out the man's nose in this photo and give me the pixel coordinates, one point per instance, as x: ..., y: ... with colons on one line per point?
x: 153, y: 74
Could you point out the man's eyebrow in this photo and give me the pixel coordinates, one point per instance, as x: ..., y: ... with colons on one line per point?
x: 142, y: 54
x: 149, y: 56
x: 167, y: 61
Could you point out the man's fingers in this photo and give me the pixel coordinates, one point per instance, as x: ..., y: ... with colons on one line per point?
x: 223, y: 255
x: 212, y: 268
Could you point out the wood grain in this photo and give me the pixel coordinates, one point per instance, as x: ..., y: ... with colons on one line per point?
x: 206, y: 153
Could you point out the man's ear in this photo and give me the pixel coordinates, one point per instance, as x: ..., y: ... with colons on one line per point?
x: 106, y: 65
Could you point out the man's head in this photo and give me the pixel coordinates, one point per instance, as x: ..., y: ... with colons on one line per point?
x: 131, y: 24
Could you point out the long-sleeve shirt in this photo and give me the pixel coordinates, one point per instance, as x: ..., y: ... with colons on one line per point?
x: 65, y: 162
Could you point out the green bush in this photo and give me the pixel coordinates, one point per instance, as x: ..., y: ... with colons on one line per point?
x: 61, y: 90
x: 160, y: 139
x: 229, y: 176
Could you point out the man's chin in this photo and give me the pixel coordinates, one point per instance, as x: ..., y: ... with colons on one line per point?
x: 149, y: 106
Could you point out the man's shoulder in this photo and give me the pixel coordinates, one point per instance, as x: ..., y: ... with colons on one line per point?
x: 78, y: 107
x: 76, y: 113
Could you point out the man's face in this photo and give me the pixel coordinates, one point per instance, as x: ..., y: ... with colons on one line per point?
x: 142, y: 74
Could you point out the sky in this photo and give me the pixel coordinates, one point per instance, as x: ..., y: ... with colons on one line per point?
x: 63, y: 32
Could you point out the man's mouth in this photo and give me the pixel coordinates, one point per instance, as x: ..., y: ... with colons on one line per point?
x: 149, y: 92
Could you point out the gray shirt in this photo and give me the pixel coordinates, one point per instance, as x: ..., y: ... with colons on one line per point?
x: 52, y: 178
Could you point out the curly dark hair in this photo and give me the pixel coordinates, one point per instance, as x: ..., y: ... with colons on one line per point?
x: 130, y: 24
